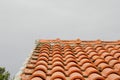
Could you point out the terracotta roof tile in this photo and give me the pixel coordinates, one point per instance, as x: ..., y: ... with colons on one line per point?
x: 73, y: 60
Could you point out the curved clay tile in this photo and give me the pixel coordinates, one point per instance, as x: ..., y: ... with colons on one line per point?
x: 34, y: 57
x: 56, y: 52
x: 68, y: 53
x: 78, y: 50
x: 45, y: 51
x: 71, y: 64
x: 79, y: 54
x: 105, y: 72
x: 28, y: 71
x: 56, y: 45
x: 67, y: 46
x: 42, y: 48
x: 66, y: 50
x: 44, y: 54
x: 117, y: 47
x: 98, y: 49
x: 89, y: 51
x: 113, y: 62
x: 43, y: 58
x: 36, y: 48
x: 117, y: 55
x: 58, y: 64
x: 108, y: 46
x: 109, y: 58
x: 57, y: 56
x: 69, y: 56
x: 73, y: 69
x: 92, y: 54
x: 33, y: 61
x: 113, y: 77
x: 105, y: 55
x: 103, y: 66
x: 70, y: 60
x: 46, y: 46
x: 83, y: 61
x: 87, y: 65
x: 88, y: 48
x: 40, y: 74
x: 95, y: 76
x: 98, y: 61
x: 58, y: 75
x: 76, y: 76
x: 90, y: 70
x: 24, y: 77
x: 102, y: 51
x: 110, y: 49
x: 57, y: 49
x: 59, y: 59
x: 30, y: 66
x: 36, y: 78
x: 95, y: 57
x: 35, y: 54
x: 117, y: 66
x: 97, y: 45
x: 114, y: 51
x: 82, y: 57
x: 42, y: 63
x: 36, y: 51
x: 41, y: 67
x: 57, y: 69
x: 60, y: 54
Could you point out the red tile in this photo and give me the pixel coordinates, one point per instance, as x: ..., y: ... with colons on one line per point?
x: 58, y: 76
x: 57, y: 69
x: 113, y: 77
x: 39, y: 73
x: 76, y: 76
x: 36, y: 78
x: 41, y: 63
x: 73, y: 60
x: 90, y: 70
x: 95, y: 76
x: 74, y: 69
x: 105, y: 72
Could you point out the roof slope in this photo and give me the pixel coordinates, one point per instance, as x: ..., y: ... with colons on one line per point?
x: 74, y: 60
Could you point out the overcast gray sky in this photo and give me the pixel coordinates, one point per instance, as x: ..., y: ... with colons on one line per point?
x: 24, y: 21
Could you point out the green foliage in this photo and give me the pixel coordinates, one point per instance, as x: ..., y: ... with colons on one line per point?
x: 4, y: 75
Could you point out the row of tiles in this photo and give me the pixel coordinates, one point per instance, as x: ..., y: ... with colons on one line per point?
x: 90, y: 63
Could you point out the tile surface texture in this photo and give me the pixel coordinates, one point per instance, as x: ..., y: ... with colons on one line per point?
x: 73, y: 60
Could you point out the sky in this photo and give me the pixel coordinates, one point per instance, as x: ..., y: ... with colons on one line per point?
x: 24, y: 21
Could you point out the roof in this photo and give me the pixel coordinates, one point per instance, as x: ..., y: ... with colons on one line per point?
x: 73, y: 60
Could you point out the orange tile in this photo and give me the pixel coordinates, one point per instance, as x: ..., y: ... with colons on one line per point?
x: 73, y: 60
